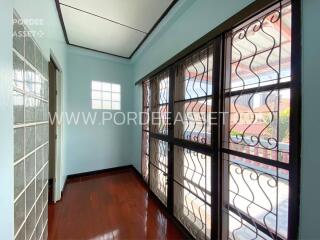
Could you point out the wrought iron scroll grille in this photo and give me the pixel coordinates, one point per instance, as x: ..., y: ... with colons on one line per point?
x: 192, y: 191
x: 256, y: 141
x: 159, y: 168
x: 145, y: 131
x: 193, y: 93
x: 234, y: 174
x: 160, y: 103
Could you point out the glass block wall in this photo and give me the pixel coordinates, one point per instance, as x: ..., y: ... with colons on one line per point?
x: 31, y: 135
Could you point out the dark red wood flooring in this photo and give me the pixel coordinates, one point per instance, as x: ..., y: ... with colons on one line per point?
x: 109, y: 206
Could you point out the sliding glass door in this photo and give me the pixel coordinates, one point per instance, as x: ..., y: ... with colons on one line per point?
x: 158, y: 161
x: 222, y: 123
x: 193, y: 142
x: 256, y: 137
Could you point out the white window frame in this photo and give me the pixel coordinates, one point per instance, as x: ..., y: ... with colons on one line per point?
x: 105, y: 95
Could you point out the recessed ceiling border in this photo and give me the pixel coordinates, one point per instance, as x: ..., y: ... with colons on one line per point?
x: 173, y: 3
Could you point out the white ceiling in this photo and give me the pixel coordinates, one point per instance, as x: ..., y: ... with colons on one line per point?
x: 111, y: 26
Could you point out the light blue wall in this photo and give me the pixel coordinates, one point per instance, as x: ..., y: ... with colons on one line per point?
x: 6, y: 122
x: 310, y: 162
x: 93, y: 147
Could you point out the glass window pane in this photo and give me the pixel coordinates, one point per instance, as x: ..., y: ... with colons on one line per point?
x: 96, y: 104
x: 106, y: 96
x: 116, y: 105
x: 107, y: 105
x: 96, y: 85
x: 96, y: 95
x: 106, y: 87
x: 116, y: 87
x: 116, y: 97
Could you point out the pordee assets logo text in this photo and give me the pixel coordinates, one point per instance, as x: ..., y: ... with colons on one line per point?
x: 23, y: 26
x: 132, y: 118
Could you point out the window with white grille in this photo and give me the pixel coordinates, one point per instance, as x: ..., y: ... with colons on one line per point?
x: 105, y: 95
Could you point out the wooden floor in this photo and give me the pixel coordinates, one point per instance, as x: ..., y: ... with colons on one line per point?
x: 109, y: 206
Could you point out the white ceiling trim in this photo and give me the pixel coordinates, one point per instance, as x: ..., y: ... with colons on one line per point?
x: 116, y: 27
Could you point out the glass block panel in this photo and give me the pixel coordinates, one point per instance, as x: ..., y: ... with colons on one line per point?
x: 18, y: 178
x: 29, y: 75
x: 39, y: 158
x: 39, y: 229
x: 30, y: 79
x: 45, y: 195
x: 38, y: 60
x: 18, y: 72
x: 30, y: 50
x: 18, y: 143
x: 38, y: 208
x: 46, y: 112
x: 30, y: 168
x: 18, y: 107
x: 45, y: 174
x: 42, y: 134
x: 45, y: 212
x: 22, y: 233
x: 39, y: 183
x: 45, y: 69
x: 30, y: 139
x: 30, y: 195
x: 30, y: 223
x: 46, y: 153
x: 39, y: 105
x: 30, y: 107
x: 18, y: 35
x: 33, y: 237
x: 46, y: 89
x: 45, y: 233
x: 19, y: 212
x: 38, y: 85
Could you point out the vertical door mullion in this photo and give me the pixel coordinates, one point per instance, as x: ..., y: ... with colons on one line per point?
x: 149, y: 142
x: 295, y: 122
x: 216, y: 188
x: 224, y: 126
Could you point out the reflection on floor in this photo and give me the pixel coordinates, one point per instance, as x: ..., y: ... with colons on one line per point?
x: 109, y: 206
